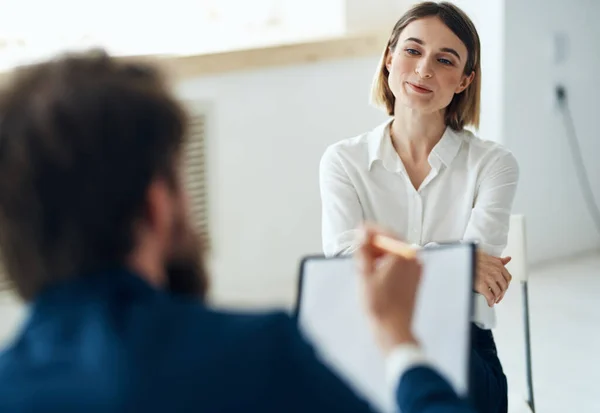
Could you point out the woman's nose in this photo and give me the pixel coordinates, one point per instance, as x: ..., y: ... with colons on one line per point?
x: 424, y: 69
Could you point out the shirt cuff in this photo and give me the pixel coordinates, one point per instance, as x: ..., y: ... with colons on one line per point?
x: 401, y: 359
x: 484, y: 316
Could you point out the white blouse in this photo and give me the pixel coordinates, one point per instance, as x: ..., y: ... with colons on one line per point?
x: 468, y: 194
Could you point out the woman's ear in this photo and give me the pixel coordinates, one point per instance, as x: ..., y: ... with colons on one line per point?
x: 465, y: 82
x: 388, y: 58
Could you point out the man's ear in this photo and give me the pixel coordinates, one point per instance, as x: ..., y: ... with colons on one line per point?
x: 465, y: 82
x: 153, y: 231
x: 160, y: 209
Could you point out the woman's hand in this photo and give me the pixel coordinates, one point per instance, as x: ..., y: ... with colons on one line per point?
x: 492, y: 279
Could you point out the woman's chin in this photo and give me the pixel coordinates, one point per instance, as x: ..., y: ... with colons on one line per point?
x: 419, y: 105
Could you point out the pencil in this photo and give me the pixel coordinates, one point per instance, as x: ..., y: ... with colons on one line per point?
x: 394, y: 246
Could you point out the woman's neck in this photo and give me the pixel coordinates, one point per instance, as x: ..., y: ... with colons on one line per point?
x: 414, y: 134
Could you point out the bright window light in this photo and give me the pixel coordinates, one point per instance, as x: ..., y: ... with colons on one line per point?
x: 32, y: 29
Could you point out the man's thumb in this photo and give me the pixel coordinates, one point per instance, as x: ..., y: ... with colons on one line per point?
x: 505, y: 260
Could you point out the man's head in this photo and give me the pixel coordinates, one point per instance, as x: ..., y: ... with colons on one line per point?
x: 91, y: 152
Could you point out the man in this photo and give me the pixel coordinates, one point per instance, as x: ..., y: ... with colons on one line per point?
x: 95, y: 235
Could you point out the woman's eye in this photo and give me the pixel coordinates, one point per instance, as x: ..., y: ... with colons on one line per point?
x: 445, y: 62
x: 411, y: 51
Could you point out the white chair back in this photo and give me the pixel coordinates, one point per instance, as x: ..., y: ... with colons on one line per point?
x: 510, y: 317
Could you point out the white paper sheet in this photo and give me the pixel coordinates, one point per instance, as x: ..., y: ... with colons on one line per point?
x: 331, y: 314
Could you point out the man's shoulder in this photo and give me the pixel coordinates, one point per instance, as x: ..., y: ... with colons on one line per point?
x: 212, y: 325
x: 252, y: 323
x: 229, y: 347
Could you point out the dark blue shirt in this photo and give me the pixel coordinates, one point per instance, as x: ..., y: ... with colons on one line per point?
x: 111, y: 343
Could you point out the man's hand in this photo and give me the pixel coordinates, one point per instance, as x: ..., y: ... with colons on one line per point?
x: 390, y: 285
x: 492, y: 278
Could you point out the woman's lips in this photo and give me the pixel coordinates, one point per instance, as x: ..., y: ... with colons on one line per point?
x: 418, y: 89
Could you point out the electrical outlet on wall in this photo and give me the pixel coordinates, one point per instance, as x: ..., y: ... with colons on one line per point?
x: 558, y: 55
x: 552, y: 103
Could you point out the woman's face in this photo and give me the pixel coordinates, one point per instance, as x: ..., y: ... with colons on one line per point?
x: 427, y: 66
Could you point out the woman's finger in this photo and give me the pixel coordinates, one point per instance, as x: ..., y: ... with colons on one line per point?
x: 506, y: 274
x: 494, y: 287
x: 487, y: 293
x: 501, y: 281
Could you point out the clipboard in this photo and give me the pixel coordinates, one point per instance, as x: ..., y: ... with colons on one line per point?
x: 330, y: 313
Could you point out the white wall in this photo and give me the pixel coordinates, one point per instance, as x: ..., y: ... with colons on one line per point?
x: 559, y: 224
x: 488, y: 17
x: 364, y: 15
x: 270, y: 128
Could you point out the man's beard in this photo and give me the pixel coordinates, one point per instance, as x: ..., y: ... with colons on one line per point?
x: 185, y: 270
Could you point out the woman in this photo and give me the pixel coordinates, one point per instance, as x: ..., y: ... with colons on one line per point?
x: 422, y: 174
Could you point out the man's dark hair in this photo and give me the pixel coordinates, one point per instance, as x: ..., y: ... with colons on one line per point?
x: 81, y: 138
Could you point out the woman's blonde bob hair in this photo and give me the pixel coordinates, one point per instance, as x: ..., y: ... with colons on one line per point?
x: 464, y: 108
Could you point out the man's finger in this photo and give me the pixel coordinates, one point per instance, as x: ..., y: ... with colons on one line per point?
x: 365, y: 239
x: 505, y: 260
x: 391, y: 264
x: 366, y: 255
x: 369, y: 232
x: 363, y: 263
x: 365, y: 259
x: 375, y: 229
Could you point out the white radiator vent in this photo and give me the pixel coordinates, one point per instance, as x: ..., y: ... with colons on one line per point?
x: 196, y: 179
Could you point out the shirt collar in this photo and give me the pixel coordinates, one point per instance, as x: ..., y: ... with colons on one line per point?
x: 381, y: 148
x: 447, y: 148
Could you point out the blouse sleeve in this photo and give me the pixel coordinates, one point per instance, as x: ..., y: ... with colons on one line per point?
x: 490, y: 217
x: 341, y: 211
